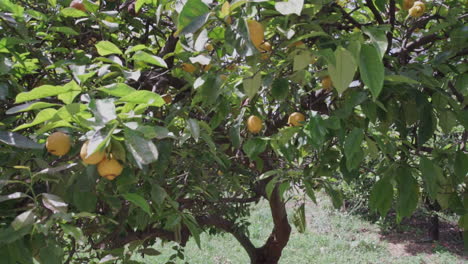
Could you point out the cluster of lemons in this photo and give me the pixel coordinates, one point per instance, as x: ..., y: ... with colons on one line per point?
x: 415, y: 8
x: 59, y: 144
x: 255, y: 124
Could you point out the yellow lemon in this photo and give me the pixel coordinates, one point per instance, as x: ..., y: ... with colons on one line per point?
x: 94, y: 158
x: 109, y: 168
x: 254, y: 124
x: 296, y: 119
x: 58, y: 144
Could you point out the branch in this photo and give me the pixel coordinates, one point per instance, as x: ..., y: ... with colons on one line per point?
x: 403, y: 54
x: 230, y: 227
x: 378, y: 17
x: 392, y: 20
x: 348, y: 16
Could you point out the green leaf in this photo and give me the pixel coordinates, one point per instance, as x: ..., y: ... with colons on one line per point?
x: 72, y: 12
x: 400, y: 79
x: 461, y: 166
x: 139, y: 201
x: 22, y: 220
x: 28, y: 107
x: 158, y: 194
x: 192, y: 10
x: 280, y: 89
x: 408, y: 192
x: 252, y: 85
x: 105, y: 48
x: 54, y: 203
x: 143, y: 150
x: 194, y: 128
x: 335, y: 196
x: 12, y: 196
x: 99, y: 139
x: 75, y: 232
x: 103, y: 110
x: 254, y: 146
x: 65, y: 30
x: 290, y: 7
x: 52, y: 253
x: 381, y: 196
x: 299, y: 219
x: 41, y: 117
x: 143, y: 97
x: 310, y: 191
x: 343, y: 70
x: 46, y: 91
x: 316, y: 130
x: 371, y: 69
x: 148, y: 58
x: 352, y: 148
x: 19, y: 141
x: 427, y: 124
x: 380, y: 4
x: 117, y: 89
x: 430, y: 173
x: 378, y: 38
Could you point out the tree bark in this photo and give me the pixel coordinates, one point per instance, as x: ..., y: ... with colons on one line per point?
x: 271, y: 251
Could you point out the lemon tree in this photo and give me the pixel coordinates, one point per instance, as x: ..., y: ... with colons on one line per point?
x: 155, y: 96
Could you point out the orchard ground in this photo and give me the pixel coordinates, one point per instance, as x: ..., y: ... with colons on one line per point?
x: 332, y: 236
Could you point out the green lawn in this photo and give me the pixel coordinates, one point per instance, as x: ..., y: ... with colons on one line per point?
x: 331, y: 237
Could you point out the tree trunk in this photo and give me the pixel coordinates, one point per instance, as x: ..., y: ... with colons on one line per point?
x: 271, y: 251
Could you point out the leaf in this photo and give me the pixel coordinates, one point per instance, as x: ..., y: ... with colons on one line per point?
x: 139, y: 201
x: 461, y: 166
x: 290, y: 7
x: 19, y: 141
x: 149, y: 252
x: 280, y: 89
x: 400, y: 79
x: 103, y: 110
x: 430, y: 173
x: 194, y: 128
x: 427, y: 124
x: 108, y: 259
x: 117, y: 89
x: 12, y: 196
x: 381, y: 196
x: 23, y: 220
x: 143, y: 97
x: 342, y: 72
x: 143, y: 150
x: 54, y: 203
x: 310, y: 191
x: 408, y: 193
x: 41, y: 117
x: 65, y: 30
x: 28, y: 107
x: 252, y: 85
x: 56, y: 169
x: 299, y: 219
x: 335, y: 195
x: 371, y: 69
x: 254, y: 146
x: 352, y: 148
x: 45, y: 91
x: 148, y: 58
x: 75, y: 232
x: 193, y: 11
x: 158, y: 194
x: 105, y: 48
x: 72, y: 12
x: 380, y: 4
x: 378, y: 38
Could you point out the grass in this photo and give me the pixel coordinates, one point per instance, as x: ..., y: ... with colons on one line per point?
x: 331, y: 237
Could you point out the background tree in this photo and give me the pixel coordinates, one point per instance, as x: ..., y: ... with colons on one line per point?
x: 163, y: 89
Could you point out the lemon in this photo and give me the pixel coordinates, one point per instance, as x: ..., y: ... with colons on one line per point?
x: 254, y: 124
x: 109, y: 168
x: 296, y: 119
x: 58, y: 144
x: 94, y: 158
